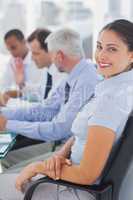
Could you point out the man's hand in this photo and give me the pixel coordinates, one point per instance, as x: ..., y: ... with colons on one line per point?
x: 3, y: 122
x: 4, y: 99
x: 13, y: 94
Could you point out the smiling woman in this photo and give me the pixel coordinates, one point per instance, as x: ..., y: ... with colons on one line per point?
x: 112, y: 51
x: 97, y: 127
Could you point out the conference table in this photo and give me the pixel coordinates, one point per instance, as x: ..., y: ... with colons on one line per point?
x: 7, y: 146
x: 7, y: 140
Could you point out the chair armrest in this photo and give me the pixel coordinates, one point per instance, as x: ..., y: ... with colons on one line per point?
x: 93, y: 189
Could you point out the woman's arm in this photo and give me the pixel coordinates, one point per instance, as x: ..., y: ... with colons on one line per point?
x: 97, y: 149
x: 51, y: 167
x: 66, y: 148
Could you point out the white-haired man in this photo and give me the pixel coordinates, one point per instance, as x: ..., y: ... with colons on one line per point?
x: 52, y: 120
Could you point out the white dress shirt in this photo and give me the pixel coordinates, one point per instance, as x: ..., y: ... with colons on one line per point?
x: 35, y: 92
x: 32, y: 73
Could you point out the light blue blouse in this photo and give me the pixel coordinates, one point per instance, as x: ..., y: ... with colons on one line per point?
x: 110, y: 108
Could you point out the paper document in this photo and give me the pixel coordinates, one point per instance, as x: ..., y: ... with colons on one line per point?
x: 5, y: 138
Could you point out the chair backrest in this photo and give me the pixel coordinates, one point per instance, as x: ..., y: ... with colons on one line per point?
x: 119, y: 160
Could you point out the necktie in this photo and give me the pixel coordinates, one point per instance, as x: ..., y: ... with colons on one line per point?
x: 48, y: 85
x: 67, y: 92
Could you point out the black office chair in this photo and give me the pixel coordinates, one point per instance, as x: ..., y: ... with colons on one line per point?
x: 113, y: 174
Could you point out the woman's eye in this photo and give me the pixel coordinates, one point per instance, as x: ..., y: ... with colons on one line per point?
x: 112, y: 49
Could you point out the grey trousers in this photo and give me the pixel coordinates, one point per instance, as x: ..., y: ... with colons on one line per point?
x: 45, y: 191
x: 23, y: 154
x: 18, y: 167
x: 15, y: 168
x: 50, y: 192
x: 126, y: 192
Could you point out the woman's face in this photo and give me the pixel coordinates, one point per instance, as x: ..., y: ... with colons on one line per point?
x: 112, y: 54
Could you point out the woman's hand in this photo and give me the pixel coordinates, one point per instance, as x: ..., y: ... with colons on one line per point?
x: 50, y: 167
x: 54, y: 164
x: 27, y: 173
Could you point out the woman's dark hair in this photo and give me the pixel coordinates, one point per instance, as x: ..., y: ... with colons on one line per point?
x: 40, y: 35
x: 124, y: 29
